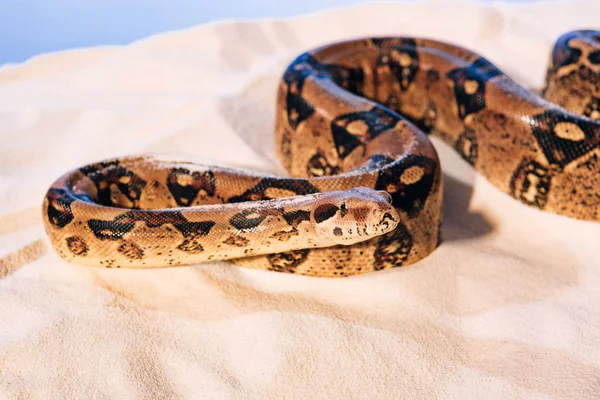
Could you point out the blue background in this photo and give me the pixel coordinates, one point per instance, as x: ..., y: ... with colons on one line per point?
x: 29, y: 27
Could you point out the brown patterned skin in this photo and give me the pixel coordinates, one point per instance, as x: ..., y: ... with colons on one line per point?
x: 352, y: 120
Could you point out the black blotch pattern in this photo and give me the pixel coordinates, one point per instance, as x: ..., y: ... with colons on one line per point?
x: 257, y: 192
x: 325, y: 211
x: 594, y: 57
x: 528, y: 173
x: 591, y: 107
x: 409, y: 198
x: 337, y: 231
x: 466, y: 145
x: 559, y: 151
x: 427, y: 122
x: 379, y: 41
x: 115, y: 229
x: 433, y: 76
x: 286, y: 148
x: 378, y: 120
x: 393, y: 248
x: 287, y: 261
x: 319, y: 166
x: 77, y: 246
x: 252, y: 217
x: 298, y: 109
x: 305, y: 65
x: 109, y: 230
x: 131, y: 251
x: 191, y: 245
x: 391, y: 49
x: 563, y: 54
x: 237, y: 241
x: 108, y: 173
x: 294, y: 218
x: 531, y: 171
x: 185, y: 194
x: 59, y: 207
x: 351, y: 79
x: 283, y: 236
x: 345, y: 141
x: 480, y: 71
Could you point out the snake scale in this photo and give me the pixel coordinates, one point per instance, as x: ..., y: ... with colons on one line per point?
x: 365, y: 185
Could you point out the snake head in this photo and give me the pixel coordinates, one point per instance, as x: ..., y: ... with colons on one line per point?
x: 352, y: 216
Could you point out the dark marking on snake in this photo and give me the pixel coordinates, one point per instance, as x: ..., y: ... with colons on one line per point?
x: 237, y: 241
x: 592, y: 109
x: 77, y: 246
x: 427, y: 121
x: 287, y: 261
x: 251, y: 218
x: 325, y: 211
x: 319, y: 166
x: 111, y: 173
x: 367, y: 125
x: 594, y: 57
x: 115, y: 229
x: 59, y: 207
x: 467, y: 146
x: 191, y: 245
x: 469, y: 85
x: 298, y: 109
x: 409, y: 198
x: 351, y: 79
x: 393, y: 248
x: 401, y: 56
x: 564, y: 54
x: 185, y: 185
x: 531, y: 183
x: 286, y: 149
x: 294, y: 218
x: 561, y: 146
x: 131, y: 250
x: 283, y: 236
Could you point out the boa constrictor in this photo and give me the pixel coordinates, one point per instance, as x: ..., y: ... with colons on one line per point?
x: 366, y: 186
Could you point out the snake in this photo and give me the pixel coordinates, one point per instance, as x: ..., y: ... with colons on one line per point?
x: 363, y: 188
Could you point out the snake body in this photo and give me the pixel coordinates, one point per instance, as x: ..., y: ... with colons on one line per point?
x: 365, y: 191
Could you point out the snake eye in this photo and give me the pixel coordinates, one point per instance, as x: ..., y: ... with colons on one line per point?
x: 343, y: 209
